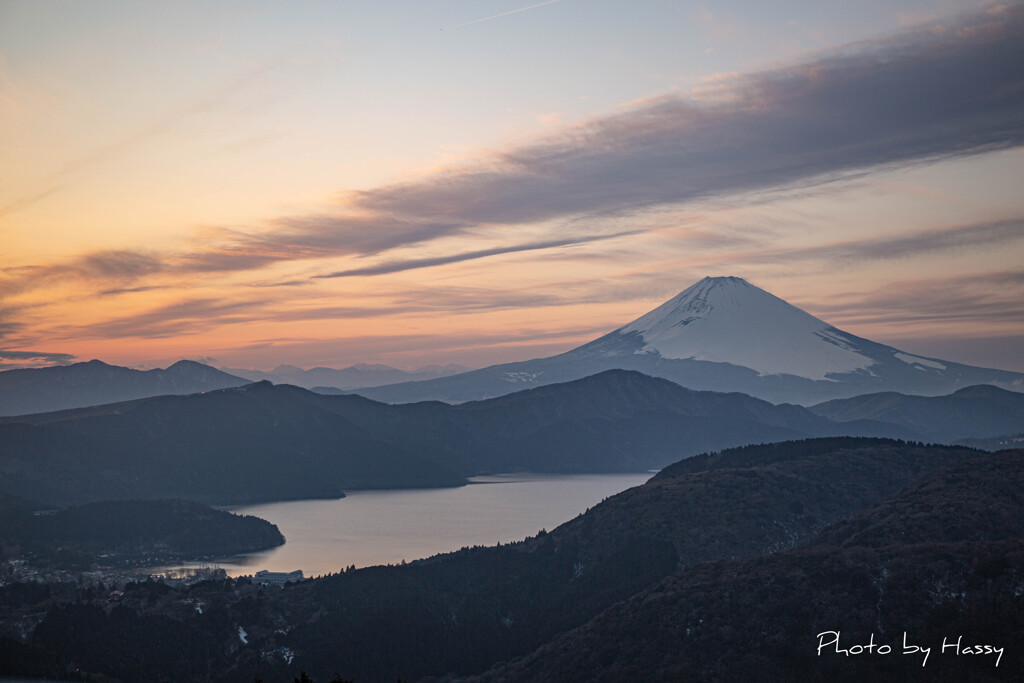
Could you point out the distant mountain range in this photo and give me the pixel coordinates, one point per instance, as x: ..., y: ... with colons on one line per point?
x: 79, y: 385
x: 36, y: 390
x: 970, y: 413
x: 264, y: 442
x: 252, y: 443
x: 721, y: 334
x: 724, y: 334
x: 352, y: 377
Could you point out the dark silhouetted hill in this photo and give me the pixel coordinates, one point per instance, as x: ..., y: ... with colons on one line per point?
x: 666, y: 581
x: 455, y: 612
x: 265, y: 442
x: 166, y: 529
x: 938, y: 561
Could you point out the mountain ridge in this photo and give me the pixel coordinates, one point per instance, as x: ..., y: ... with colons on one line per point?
x: 228, y: 445
x: 658, y: 582
x: 26, y: 391
x: 355, y: 376
x: 979, y: 411
x: 709, y: 331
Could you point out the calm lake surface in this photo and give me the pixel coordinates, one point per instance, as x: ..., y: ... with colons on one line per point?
x: 385, y: 527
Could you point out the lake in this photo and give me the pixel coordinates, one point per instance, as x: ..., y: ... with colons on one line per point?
x: 385, y: 527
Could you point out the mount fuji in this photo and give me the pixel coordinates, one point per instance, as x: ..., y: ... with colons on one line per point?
x: 724, y: 334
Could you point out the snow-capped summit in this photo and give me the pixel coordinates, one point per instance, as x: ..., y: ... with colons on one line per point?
x: 728, y: 320
x: 724, y: 334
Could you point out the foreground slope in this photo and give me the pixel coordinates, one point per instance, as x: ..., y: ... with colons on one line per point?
x: 724, y: 334
x: 937, y: 564
x: 455, y: 612
x: 465, y: 611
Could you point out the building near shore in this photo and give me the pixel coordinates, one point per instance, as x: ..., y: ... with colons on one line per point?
x: 277, y: 578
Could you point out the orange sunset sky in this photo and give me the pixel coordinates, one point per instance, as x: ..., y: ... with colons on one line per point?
x: 478, y: 181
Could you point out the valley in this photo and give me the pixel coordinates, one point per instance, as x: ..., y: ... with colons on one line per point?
x: 640, y: 584
x: 511, y: 341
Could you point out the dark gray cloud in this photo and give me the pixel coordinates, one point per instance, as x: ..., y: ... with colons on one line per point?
x: 987, y: 234
x: 281, y: 283
x: 183, y: 318
x: 39, y: 357
x: 477, y: 349
x: 128, y: 290
x: 945, y: 91
x: 120, y: 264
x: 412, y: 264
x: 989, y: 298
x: 948, y: 91
x: 11, y: 320
x: 201, y: 314
x: 925, y: 241
x: 338, y: 312
x: 436, y: 299
x: 465, y: 299
x: 111, y: 265
x: 1001, y: 352
x: 940, y: 92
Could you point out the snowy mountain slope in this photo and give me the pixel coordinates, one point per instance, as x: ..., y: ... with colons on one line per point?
x: 716, y: 320
x: 724, y: 334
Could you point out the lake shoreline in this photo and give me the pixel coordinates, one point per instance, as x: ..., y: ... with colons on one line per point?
x: 371, y: 527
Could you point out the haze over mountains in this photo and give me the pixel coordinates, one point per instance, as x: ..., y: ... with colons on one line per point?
x: 262, y: 442
x: 36, y: 390
x: 974, y: 412
x: 721, y: 334
x: 78, y: 385
x: 640, y: 587
x: 352, y: 377
x: 724, y: 334
x: 227, y: 441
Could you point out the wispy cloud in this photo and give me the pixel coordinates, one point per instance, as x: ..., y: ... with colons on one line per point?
x: 120, y: 266
x: 11, y: 320
x: 948, y: 90
x: 503, y: 14
x: 183, y: 318
x: 889, y: 247
x: 914, y: 97
x: 412, y: 264
x: 11, y: 359
x: 989, y: 298
x: 128, y: 290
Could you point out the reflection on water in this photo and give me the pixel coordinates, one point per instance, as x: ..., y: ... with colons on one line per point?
x: 385, y: 527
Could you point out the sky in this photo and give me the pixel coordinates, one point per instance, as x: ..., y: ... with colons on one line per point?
x: 419, y: 182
